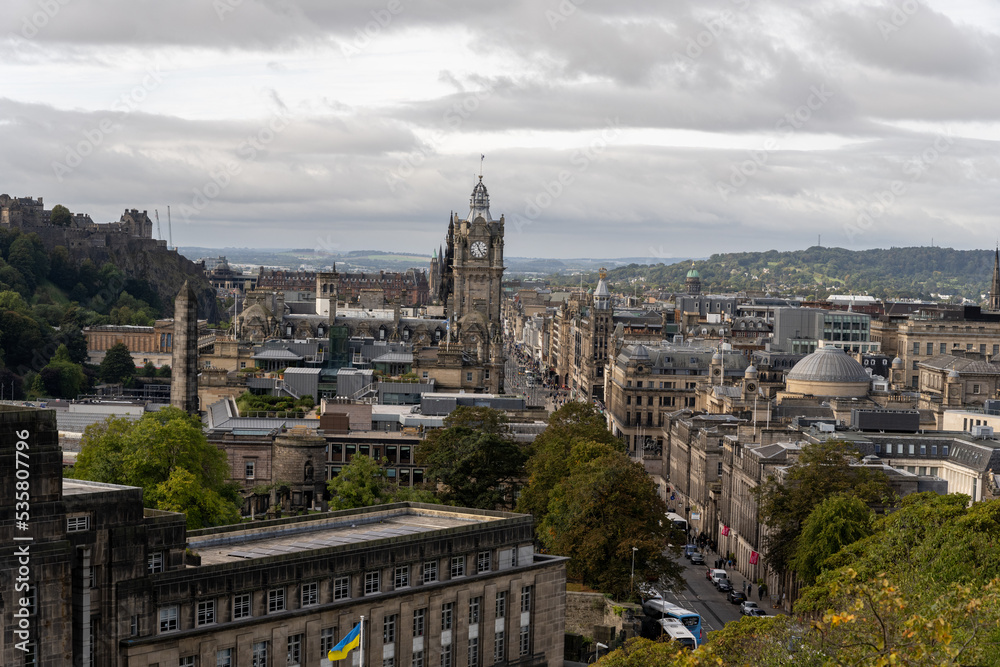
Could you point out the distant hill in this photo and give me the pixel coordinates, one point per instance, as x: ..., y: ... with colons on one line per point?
x: 917, y: 272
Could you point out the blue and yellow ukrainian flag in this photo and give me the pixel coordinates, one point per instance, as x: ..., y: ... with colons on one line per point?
x: 346, y: 645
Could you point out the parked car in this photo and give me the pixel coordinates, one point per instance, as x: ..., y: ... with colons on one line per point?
x: 690, y: 549
x: 723, y: 585
x: 756, y: 612
x: 747, y: 607
x: 736, y: 597
x: 697, y: 558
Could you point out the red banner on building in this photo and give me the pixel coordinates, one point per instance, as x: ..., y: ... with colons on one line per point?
x: 725, y: 530
x: 754, y: 557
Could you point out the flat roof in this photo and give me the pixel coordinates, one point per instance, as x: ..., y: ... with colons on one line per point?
x: 75, y: 487
x: 337, y: 530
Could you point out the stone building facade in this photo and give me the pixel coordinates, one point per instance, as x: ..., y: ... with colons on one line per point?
x: 111, y: 584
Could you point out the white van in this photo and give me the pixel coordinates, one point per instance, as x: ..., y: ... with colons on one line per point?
x: 717, y: 575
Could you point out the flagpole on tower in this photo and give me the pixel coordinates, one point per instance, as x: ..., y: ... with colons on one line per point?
x: 361, y: 643
x: 481, y: 158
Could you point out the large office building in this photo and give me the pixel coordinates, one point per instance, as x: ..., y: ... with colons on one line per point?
x: 89, y: 577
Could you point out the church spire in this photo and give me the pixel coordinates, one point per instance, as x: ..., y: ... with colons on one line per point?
x: 995, y: 285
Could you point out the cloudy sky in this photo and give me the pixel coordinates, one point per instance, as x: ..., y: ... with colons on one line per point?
x: 611, y: 128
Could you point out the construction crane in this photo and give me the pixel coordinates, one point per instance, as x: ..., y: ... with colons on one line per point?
x: 159, y: 233
x: 170, y: 230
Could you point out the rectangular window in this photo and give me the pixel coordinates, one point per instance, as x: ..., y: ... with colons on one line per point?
x: 327, y: 640
x: 275, y: 600
x: 401, y: 577
x: 419, y: 622
x: 483, y: 561
x: 418, y: 659
x: 526, y: 599
x: 206, y: 612
x: 525, y: 640
x: 241, y: 606
x: 224, y: 657
x: 468, y: 378
x: 77, y: 523
x: 498, y: 647
x: 975, y: 389
x: 447, y: 615
x: 933, y: 450
x: 923, y: 450
x: 911, y: 450
x: 258, y: 657
x: 388, y: 662
x: 930, y: 349
x: 371, y: 582
x: 474, y: 606
x: 916, y: 348
x: 294, y: 650
x: 943, y: 348
x: 430, y: 572
x: 186, y: 661
x: 310, y: 594
x: 168, y: 619
x: 473, y: 651
x: 341, y: 588
x: 446, y: 656
x: 457, y: 566
x: 133, y: 625
x: 249, y: 468
x: 154, y: 562
x: 389, y: 629
x: 501, y: 604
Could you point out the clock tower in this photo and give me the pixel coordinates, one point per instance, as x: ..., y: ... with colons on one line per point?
x: 472, y: 285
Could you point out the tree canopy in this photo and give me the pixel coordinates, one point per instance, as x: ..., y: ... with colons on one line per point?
x: 548, y: 465
x: 606, y: 506
x: 166, y: 453
x: 363, y: 482
x: 823, y: 469
x: 475, y: 459
x: 117, y: 365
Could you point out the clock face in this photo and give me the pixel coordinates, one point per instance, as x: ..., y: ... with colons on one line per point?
x: 751, y: 386
x: 478, y: 249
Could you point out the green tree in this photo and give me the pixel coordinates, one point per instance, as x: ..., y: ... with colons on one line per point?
x: 572, y: 424
x: 823, y: 469
x: 603, y: 509
x: 363, y: 482
x: 838, y: 521
x: 475, y: 459
x: 61, y: 377
x: 60, y: 216
x: 117, y: 365
x: 150, y: 453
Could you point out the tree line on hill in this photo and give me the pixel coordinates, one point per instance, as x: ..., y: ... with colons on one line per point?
x: 891, y: 273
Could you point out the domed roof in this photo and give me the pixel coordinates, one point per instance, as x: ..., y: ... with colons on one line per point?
x: 694, y: 274
x: 953, y: 374
x: 602, y: 288
x: 751, y: 370
x: 828, y: 364
x: 897, y: 363
x: 717, y: 356
x: 639, y: 353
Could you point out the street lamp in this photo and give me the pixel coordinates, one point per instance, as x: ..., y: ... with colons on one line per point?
x: 597, y: 650
x: 634, y: 549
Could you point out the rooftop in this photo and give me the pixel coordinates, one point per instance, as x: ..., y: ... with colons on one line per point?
x: 339, y: 529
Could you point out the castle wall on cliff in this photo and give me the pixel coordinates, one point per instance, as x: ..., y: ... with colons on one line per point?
x: 128, y: 244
